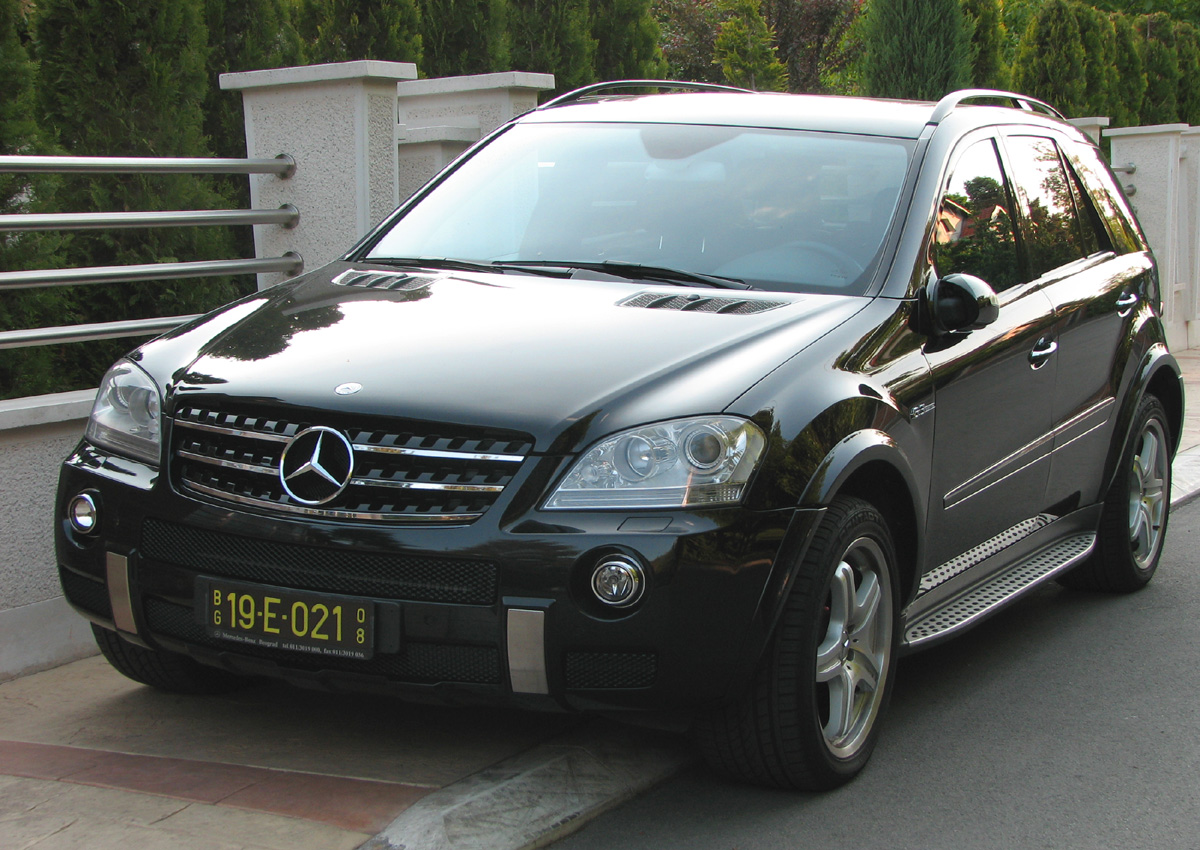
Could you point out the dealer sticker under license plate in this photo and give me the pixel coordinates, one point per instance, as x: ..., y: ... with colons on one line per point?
x: 278, y: 618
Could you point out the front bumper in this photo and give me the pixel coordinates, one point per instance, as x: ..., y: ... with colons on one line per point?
x: 497, y: 611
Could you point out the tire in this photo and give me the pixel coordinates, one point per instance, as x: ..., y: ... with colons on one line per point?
x: 1134, y: 520
x: 167, y: 671
x: 832, y: 656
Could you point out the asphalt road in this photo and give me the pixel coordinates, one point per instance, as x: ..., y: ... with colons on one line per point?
x: 1071, y: 720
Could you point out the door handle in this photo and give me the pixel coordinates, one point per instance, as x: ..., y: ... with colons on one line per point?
x: 1041, y: 352
x: 1125, y: 304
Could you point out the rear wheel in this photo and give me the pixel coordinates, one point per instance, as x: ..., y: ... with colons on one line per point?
x: 811, y: 717
x: 1134, y: 522
x: 166, y: 671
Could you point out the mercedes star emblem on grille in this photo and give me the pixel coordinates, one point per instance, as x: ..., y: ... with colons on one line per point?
x: 316, y: 465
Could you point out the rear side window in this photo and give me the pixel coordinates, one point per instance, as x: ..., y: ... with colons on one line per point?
x: 973, y: 233
x: 1052, y: 230
x: 1102, y: 188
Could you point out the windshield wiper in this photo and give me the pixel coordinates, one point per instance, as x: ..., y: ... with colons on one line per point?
x: 638, y: 271
x: 451, y: 264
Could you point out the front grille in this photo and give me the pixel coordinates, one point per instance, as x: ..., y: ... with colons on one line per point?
x: 344, y: 571
x: 402, y: 471
x: 89, y: 594
x: 418, y: 663
x: 611, y: 670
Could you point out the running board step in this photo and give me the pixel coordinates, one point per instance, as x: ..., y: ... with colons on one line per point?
x: 984, y: 599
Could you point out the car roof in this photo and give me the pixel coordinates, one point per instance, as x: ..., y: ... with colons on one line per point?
x: 821, y: 113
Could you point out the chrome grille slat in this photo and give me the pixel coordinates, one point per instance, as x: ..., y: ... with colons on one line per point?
x: 392, y: 450
x: 403, y: 471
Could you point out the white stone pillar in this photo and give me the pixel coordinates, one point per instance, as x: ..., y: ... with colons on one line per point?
x: 1091, y: 126
x: 338, y: 122
x: 441, y: 118
x: 1150, y: 167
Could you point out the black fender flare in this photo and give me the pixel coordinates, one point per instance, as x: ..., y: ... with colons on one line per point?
x: 1159, y: 373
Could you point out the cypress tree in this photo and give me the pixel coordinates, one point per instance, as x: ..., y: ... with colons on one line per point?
x: 24, y: 371
x: 688, y: 32
x: 808, y: 37
x: 465, y: 37
x: 128, y: 79
x: 1098, y: 39
x: 989, y: 70
x: 1161, y: 104
x: 744, y: 49
x: 1051, y: 60
x: 554, y: 37
x: 916, y: 48
x: 1130, y: 71
x: 1187, y: 45
x: 348, y: 30
x: 627, y: 37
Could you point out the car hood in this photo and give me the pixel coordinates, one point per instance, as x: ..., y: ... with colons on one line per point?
x: 564, y: 360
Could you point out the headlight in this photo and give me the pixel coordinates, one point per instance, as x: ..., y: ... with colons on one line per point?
x: 127, y: 413
x: 707, y: 460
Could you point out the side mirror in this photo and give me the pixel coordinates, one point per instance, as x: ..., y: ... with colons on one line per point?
x: 961, y: 302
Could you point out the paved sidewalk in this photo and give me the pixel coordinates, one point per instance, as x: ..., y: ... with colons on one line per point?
x: 91, y: 759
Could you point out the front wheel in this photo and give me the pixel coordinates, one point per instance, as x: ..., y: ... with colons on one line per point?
x: 1133, y: 524
x: 811, y: 717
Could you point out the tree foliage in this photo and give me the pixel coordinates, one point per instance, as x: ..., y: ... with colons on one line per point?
x: 346, y: 30
x: 626, y: 35
x: 1050, y: 64
x: 1187, y: 48
x: 1161, y: 103
x: 744, y: 49
x: 688, y: 37
x: 988, y: 41
x: 916, y: 48
x: 129, y: 79
x: 808, y: 34
x: 464, y: 37
x: 1125, y: 104
x: 1098, y: 40
x: 554, y: 37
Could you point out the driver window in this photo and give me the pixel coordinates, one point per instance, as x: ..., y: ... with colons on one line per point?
x: 973, y: 233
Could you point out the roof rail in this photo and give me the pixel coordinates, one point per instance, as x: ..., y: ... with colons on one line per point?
x: 951, y: 101
x: 617, y: 85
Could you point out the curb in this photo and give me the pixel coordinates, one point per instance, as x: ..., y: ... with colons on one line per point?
x: 533, y: 799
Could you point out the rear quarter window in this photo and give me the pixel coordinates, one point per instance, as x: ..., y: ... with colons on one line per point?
x: 1106, y: 195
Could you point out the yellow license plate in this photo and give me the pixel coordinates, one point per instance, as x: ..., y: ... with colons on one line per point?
x: 278, y: 618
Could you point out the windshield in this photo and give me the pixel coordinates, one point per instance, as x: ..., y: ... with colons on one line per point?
x: 778, y: 209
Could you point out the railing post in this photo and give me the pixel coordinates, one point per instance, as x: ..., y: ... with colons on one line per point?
x: 1157, y: 192
x: 338, y: 122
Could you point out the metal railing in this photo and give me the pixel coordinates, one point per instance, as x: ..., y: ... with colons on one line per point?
x: 286, y: 216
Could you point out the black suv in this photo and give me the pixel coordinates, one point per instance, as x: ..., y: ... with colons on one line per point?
x: 706, y: 401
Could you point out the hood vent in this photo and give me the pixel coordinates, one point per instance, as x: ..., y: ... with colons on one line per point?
x: 382, y: 280
x: 701, y: 303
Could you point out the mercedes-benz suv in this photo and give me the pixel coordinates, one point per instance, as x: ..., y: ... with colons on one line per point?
x: 706, y: 401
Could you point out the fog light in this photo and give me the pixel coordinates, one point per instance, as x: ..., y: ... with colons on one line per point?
x: 619, y: 582
x: 82, y: 514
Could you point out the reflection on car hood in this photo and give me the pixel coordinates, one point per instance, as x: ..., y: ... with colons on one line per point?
x: 535, y: 354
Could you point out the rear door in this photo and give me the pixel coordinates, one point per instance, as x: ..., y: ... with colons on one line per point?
x: 1096, y: 285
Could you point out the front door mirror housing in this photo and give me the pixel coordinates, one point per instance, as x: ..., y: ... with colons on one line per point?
x: 961, y: 302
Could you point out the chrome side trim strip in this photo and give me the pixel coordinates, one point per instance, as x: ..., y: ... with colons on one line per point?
x: 329, y: 514
x: 395, y: 450
x: 116, y: 568
x: 427, y: 485
x: 235, y: 432
x: 229, y: 464
x: 527, y: 651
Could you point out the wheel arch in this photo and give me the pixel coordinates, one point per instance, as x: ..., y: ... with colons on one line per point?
x: 1159, y: 375
x: 870, y: 465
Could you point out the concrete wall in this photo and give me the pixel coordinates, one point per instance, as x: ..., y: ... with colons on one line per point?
x: 37, y: 629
